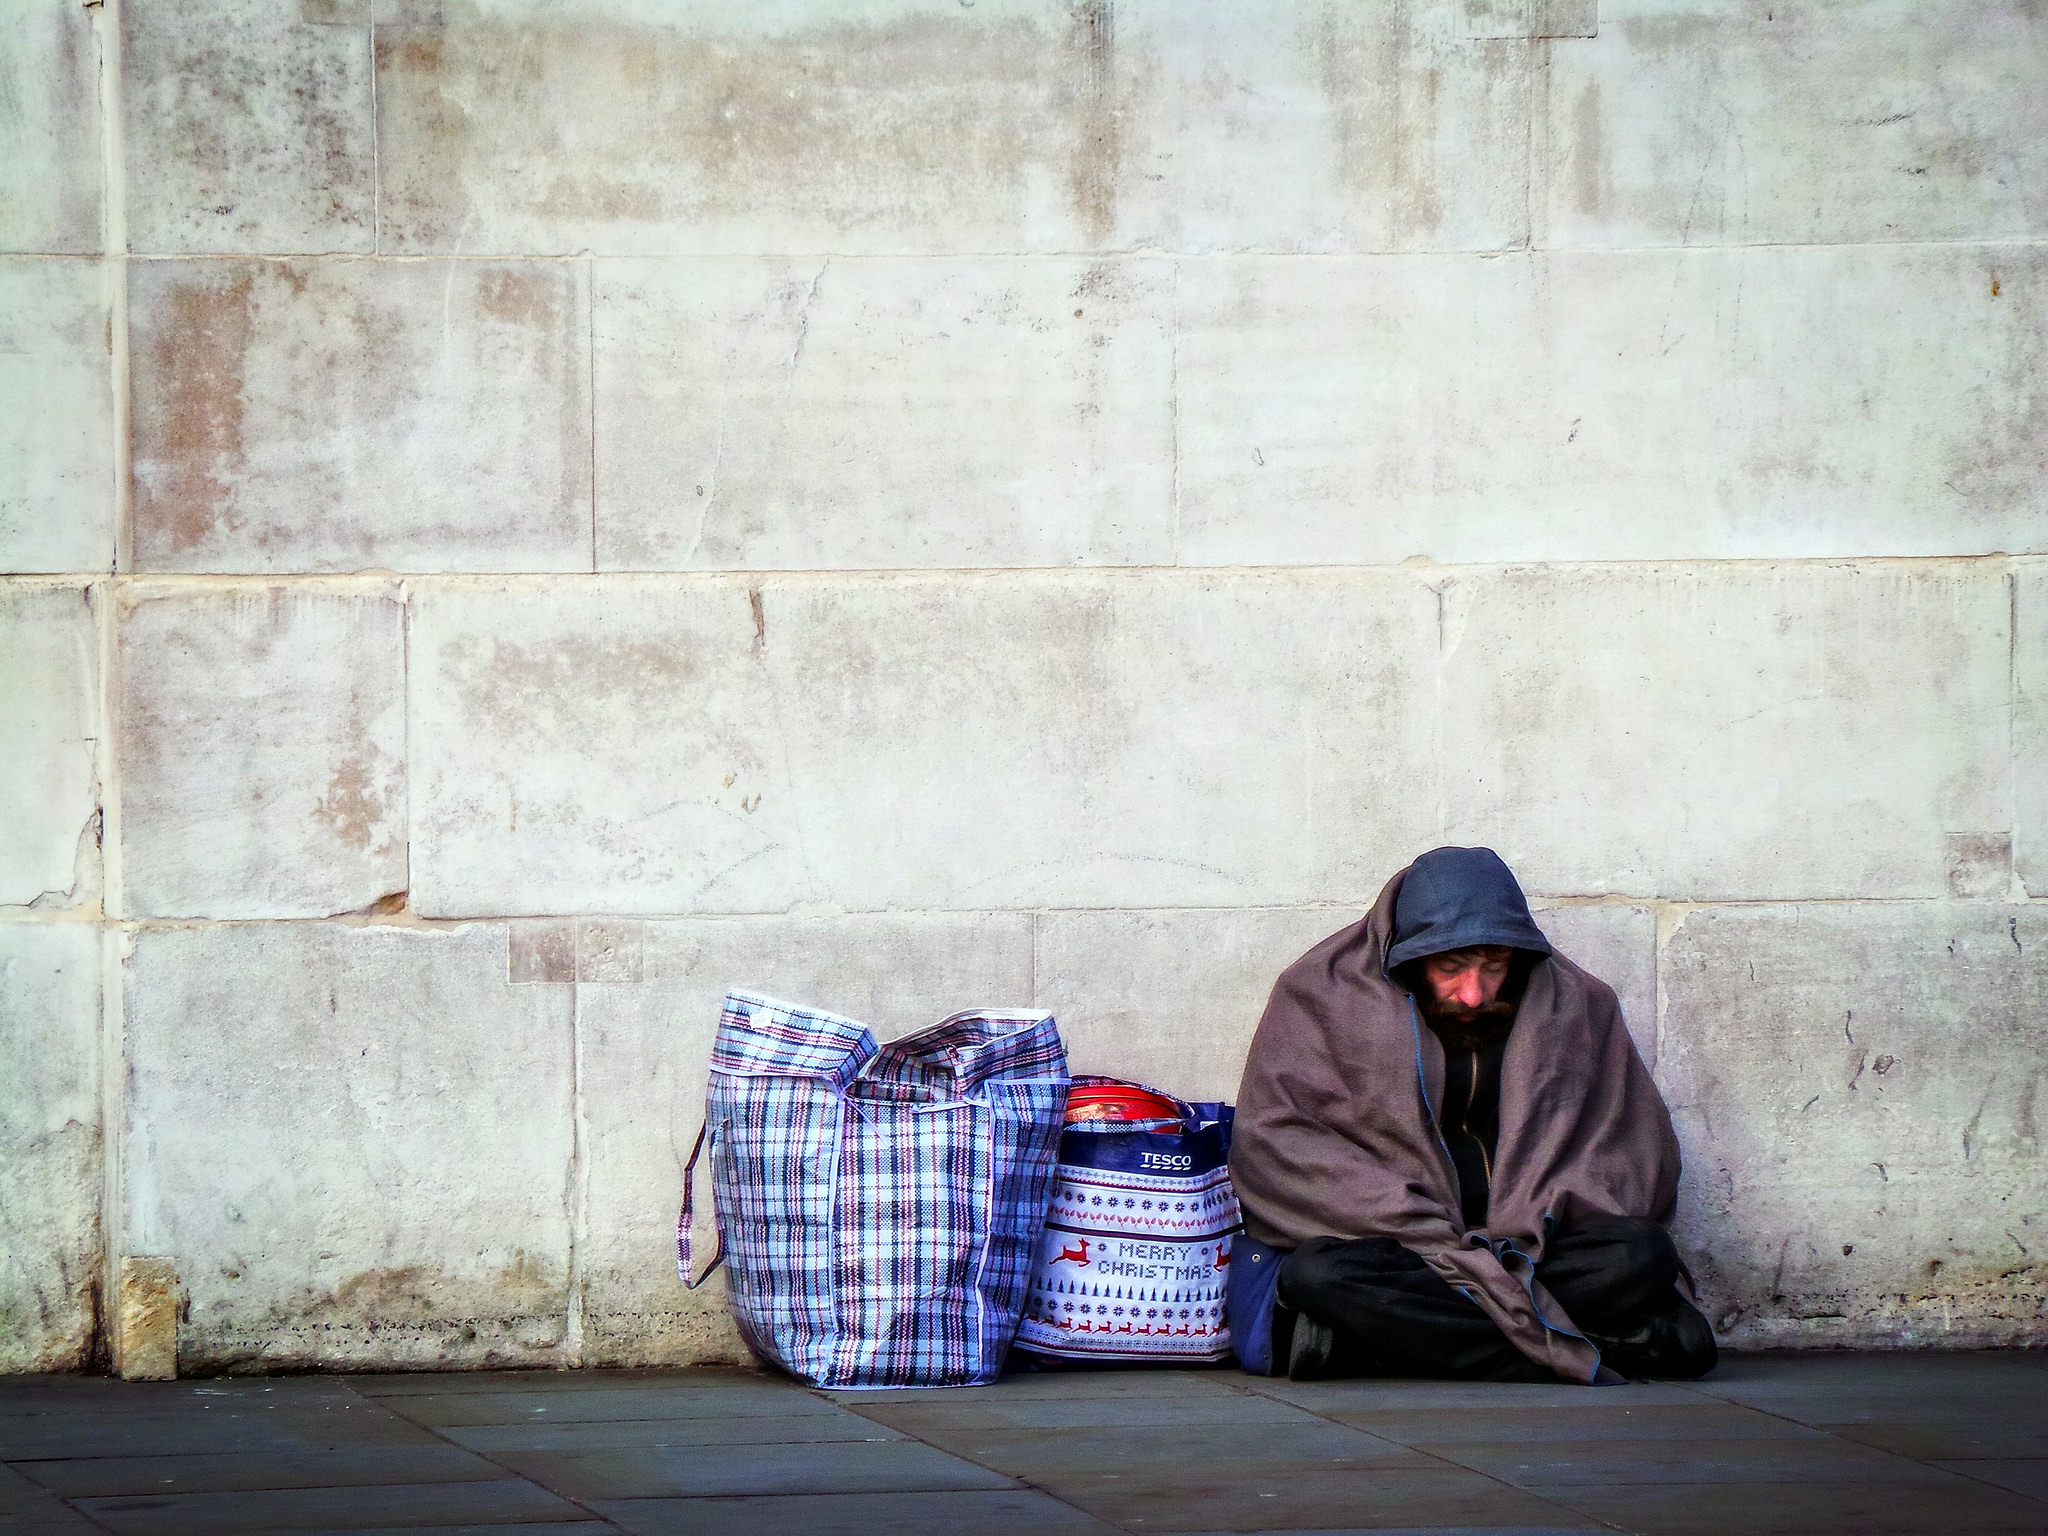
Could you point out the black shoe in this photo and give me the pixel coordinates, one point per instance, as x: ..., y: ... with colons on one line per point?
x: 1670, y: 1343
x: 1312, y: 1355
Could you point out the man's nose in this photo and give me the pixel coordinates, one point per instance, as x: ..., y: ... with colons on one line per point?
x: 1466, y: 990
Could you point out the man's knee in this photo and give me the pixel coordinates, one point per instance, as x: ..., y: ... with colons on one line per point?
x: 1635, y: 1246
x: 1326, y: 1264
x: 1607, y: 1266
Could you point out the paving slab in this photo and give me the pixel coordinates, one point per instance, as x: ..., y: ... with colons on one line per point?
x: 1925, y: 1403
x: 1440, y: 1427
x: 101, y: 1396
x: 1095, y: 1386
x: 2021, y: 1476
x: 613, y: 1405
x: 1996, y: 1421
x: 1020, y: 1512
x: 1616, y: 1463
x: 1223, y: 1498
x: 1144, y: 1451
x: 1983, y: 1431
x: 26, y: 1505
x: 1431, y: 1530
x: 1857, y: 1373
x: 507, y: 1501
x: 1407, y: 1396
x: 448, y: 1383
x: 1805, y: 1508
x: 835, y: 1467
x: 755, y: 1429
x: 228, y: 1472
x: 924, y: 1418
x: 1049, y: 1456
x: 189, y: 1432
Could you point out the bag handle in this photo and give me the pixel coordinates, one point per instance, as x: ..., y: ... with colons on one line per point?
x: 689, y: 1210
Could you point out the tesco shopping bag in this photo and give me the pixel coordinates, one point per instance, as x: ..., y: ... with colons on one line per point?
x: 879, y: 1209
x: 1137, y: 1240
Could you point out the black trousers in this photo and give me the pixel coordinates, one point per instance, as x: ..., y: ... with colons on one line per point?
x: 1395, y: 1316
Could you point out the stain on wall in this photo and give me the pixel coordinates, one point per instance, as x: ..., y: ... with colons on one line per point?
x: 412, y: 415
x: 650, y: 128
x: 204, y: 344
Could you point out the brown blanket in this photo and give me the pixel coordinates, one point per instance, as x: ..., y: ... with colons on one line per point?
x: 1334, y: 1135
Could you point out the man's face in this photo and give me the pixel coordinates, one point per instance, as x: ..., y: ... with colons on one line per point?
x: 1464, y: 983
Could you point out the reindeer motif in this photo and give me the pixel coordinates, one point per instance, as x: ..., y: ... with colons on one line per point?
x: 1078, y: 1256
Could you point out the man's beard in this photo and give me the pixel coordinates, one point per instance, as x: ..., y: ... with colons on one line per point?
x: 1483, y: 1028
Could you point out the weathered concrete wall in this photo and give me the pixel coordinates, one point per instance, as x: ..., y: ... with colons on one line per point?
x: 516, y: 516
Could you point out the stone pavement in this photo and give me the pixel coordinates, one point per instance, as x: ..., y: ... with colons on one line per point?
x: 1782, y: 1444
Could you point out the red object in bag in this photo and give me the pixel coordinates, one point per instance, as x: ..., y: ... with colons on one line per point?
x: 1107, y: 1098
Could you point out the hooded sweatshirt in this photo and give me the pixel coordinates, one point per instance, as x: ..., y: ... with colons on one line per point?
x: 1454, y: 898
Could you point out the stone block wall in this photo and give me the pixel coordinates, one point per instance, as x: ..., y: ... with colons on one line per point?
x: 519, y: 515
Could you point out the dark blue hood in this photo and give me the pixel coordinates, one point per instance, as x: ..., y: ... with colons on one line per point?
x: 1454, y: 897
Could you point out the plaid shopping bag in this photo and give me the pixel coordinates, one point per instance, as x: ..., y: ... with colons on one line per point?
x: 878, y: 1209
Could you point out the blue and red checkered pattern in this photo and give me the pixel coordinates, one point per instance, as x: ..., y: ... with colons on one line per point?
x: 880, y: 1208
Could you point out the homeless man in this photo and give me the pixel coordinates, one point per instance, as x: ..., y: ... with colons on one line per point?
x: 1450, y: 1158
